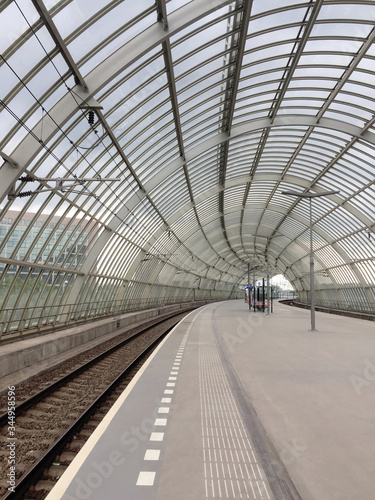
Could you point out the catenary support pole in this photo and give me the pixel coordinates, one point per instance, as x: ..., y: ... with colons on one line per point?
x: 268, y: 281
x: 254, y: 289
x: 263, y: 296
x: 312, y: 284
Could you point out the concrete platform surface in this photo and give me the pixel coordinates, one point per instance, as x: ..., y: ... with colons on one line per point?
x: 236, y: 404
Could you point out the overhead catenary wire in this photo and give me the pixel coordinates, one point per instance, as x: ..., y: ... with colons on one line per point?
x: 60, y: 162
x: 74, y: 96
x: 70, y: 171
x: 76, y: 146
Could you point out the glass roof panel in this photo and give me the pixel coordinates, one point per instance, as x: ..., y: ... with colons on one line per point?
x: 276, y: 35
x: 103, y: 50
x: 338, y: 29
x: 354, y: 11
x: 345, y: 44
x: 173, y: 5
x: 15, y: 22
x: 78, y: 12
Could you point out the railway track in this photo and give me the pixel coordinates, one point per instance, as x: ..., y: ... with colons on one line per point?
x: 53, y: 424
x: 369, y: 316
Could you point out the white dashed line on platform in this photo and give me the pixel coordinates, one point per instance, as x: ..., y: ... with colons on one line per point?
x: 163, y: 409
x: 161, y: 421
x: 152, y: 455
x: 157, y: 436
x: 146, y: 478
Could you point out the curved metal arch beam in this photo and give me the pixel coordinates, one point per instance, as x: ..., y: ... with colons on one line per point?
x: 324, y: 236
x: 28, y: 149
x: 130, y: 273
x: 300, y: 182
x: 126, y: 210
x: 274, y: 208
x: 253, y: 126
x: 286, y: 254
x: 99, y: 77
x: 163, y: 228
x: 96, y: 80
x: 115, y: 64
x: 194, y: 273
x: 347, y: 262
x: 239, y: 181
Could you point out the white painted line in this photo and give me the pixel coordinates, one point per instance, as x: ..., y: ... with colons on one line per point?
x: 168, y: 391
x: 69, y: 475
x: 260, y: 492
x: 163, y: 409
x: 174, y: 373
x: 239, y: 487
x: 252, y: 488
x: 218, y: 482
x: 160, y: 421
x: 172, y: 378
x: 226, y: 488
x: 171, y: 384
x: 152, y: 455
x: 146, y: 478
x: 166, y: 400
x: 157, y: 436
x: 265, y: 487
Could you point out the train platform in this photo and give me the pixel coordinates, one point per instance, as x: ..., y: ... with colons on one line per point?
x: 236, y: 404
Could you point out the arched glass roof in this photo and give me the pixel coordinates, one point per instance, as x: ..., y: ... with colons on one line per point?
x: 145, y: 148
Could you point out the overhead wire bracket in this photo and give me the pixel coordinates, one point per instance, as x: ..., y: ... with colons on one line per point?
x: 9, y: 160
x: 64, y: 185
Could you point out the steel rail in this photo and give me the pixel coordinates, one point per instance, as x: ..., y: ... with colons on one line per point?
x: 32, y: 475
x: 33, y: 400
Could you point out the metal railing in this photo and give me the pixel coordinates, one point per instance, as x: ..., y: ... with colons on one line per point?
x: 17, y: 320
x: 361, y: 307
x: 14, y: 322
